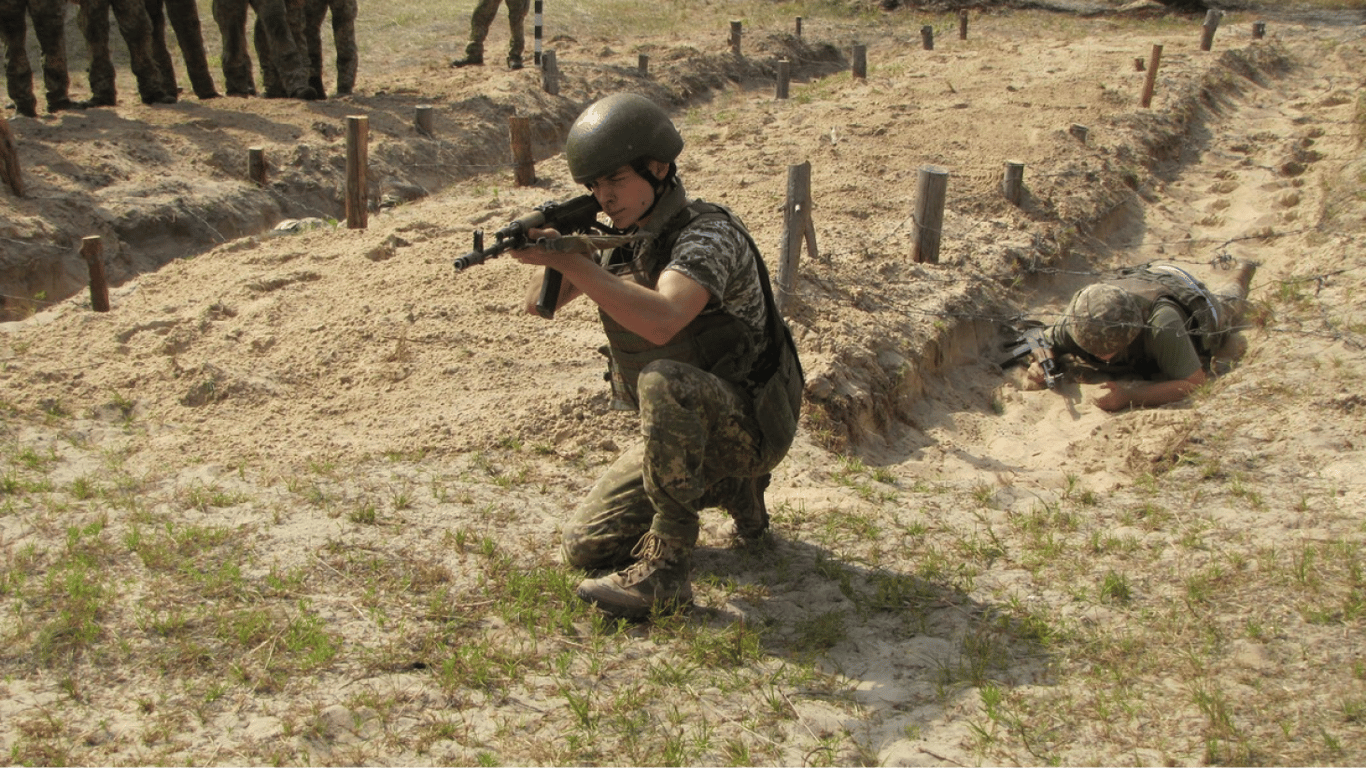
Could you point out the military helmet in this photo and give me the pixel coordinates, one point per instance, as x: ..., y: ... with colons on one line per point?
x: 1103, y: 319
x: 619, y: 130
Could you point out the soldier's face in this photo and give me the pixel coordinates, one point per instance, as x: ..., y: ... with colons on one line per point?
x: 625, y: 195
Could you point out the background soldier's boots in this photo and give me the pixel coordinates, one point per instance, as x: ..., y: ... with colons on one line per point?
x: 743, y: 499
x: 660, y: 577
x: 469, y: 61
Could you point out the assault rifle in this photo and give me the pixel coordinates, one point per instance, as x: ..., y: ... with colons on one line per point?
x: 576, y: 216
x: 1034, y: 343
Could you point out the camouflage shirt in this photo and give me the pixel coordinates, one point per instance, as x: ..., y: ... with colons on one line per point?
x: 717, y: 255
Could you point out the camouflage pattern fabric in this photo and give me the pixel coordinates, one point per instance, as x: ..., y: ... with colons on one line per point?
x: 343, y: 39
x: 698, y: 430
x: 483, y: 17
x: 231, y: 18
x: 48, y: 19
x: 281, y: 47
x: 136, y: 28
x: 184, y: 17
x: 1103, y: 319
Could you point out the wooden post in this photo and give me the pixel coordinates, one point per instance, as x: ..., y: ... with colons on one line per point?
x: 927, y: 37
x: 1139, y: 66
x: 1207, y: 31
x: 643, y: 64
x: 10, y: 171
x: 550, y: 74
x: 860, y: 64
x: 735, y: 37
x: 256, y: 165
x: 799, y: 27
x: 1012, y: 186
x: 784, y: 76
x: 963, y: 24
x: 1258, y: 30
x: 423, y: 120
x: 1151, y: 81
x: 357, y: 162
x: 92, y: 250
x: 1078, y: 132
x: 520, y: 130
x: 797, y: 226
x: 930, y: 191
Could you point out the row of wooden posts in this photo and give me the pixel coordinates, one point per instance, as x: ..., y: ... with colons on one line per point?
x: 798, y: 227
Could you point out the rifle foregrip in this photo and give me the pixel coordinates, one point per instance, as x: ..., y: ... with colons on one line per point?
x: 550, y: 293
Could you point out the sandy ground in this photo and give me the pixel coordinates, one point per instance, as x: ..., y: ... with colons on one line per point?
x: 270, y: 370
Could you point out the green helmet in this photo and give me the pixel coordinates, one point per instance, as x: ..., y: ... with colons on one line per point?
x: 619, y: 130
x: 1103, y: 319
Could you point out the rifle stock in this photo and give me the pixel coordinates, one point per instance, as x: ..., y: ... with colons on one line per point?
x: 574, y: 216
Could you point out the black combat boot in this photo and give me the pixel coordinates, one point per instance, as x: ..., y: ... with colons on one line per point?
x: 469, y: 61
x: 661, y: 577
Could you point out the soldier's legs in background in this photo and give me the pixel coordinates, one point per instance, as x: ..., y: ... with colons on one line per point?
x: 480, y: 20
x: 160, y: 53
x: 231, y: 18
x: 184, y: 17
x: 93, y: 19
x: 136, y: 28
x: 314, y: 12
x: 344, y: 39
x: 18, y: 72
x: 275, y: 46
x: 517, y: 35
x: 49, y: 26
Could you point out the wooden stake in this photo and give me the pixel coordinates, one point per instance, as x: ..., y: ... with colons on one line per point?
x: 10, y: 172
x: 256, y: 165
x: 1151, y: 81
x: 357, y: 162
x: 930, y: 191
x: 797, y: 226
x: 860, y: 65
x: 1258, y: 30
x: 927, y: 37
x: 520, y: 130
x: 1012, y: 186
x: 92, y: 250
x: 735, y: 37
x: 784, y: 76
x: 1078, y: 132
x: 423, y: 120
x: 799, y: 27
x: 1139, y: 66
x: 550, y: 74
x: 643, y: 65
x: 963, y: 24
x: 1207, y: 31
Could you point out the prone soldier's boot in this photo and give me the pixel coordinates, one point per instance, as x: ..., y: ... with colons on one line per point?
x: 661, y: 577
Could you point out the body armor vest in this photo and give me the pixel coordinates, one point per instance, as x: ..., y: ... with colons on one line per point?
x: 761, y: 364
x: 1162, y: 282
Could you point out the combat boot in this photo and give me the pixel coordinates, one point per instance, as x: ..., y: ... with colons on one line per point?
x: 743, y: 499
x: 469, y: 61
x: 661, y: 577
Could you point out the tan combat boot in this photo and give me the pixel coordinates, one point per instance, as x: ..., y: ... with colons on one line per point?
x: 660, y: 577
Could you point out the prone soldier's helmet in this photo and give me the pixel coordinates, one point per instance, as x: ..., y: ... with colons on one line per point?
x: 1103, y: 319
x: 621, y: 129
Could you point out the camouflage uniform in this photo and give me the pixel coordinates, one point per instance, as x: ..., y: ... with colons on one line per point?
x: 702, y: 429
x: 343, y: 39
x: 281, y: 47
x: 48, y: 19
x: 479, y: 29
x: 184, y: 16
x: 275, y: 46
x: 136, y: 27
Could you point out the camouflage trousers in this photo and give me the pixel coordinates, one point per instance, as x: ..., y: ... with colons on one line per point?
x: 48, y: 19
x: 698, y: 431
x: 483, y: 17
x: 184, y: 18
x: 343, y: 39
x: 136, y: 28
x: 279, y: 45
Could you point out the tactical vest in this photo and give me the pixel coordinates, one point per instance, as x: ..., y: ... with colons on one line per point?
x: 763, y: 365
x: 1150, y: 284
